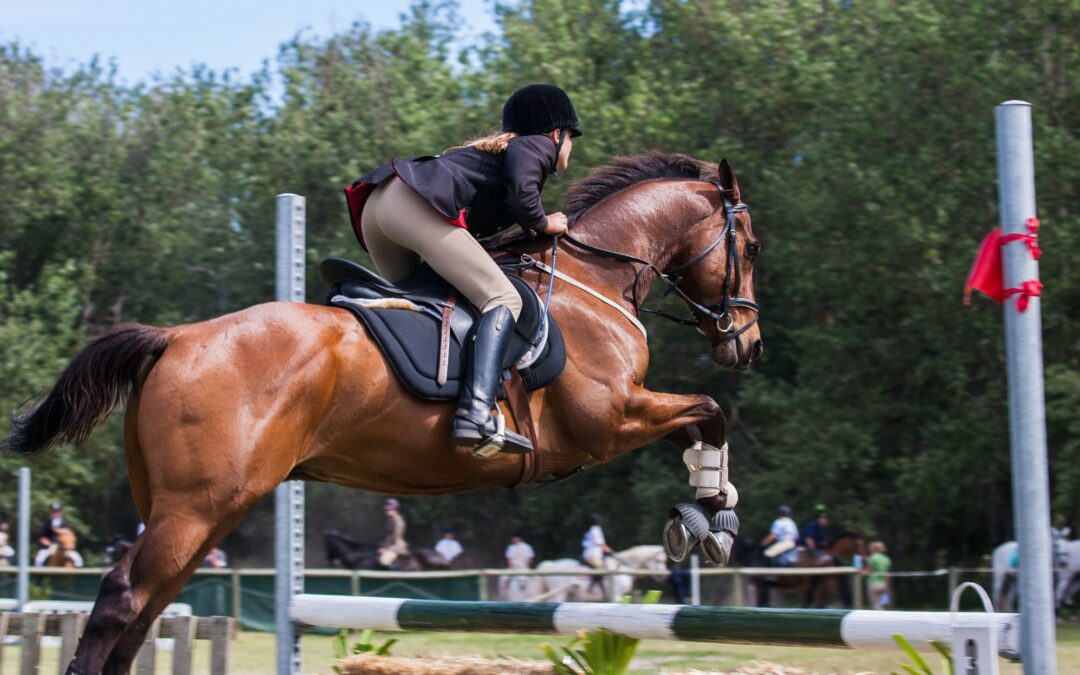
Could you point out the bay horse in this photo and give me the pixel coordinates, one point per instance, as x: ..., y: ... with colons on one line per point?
x: 222, y: 411
x: 814, y: 589
x: 62, y: 553
x: 356, y: 555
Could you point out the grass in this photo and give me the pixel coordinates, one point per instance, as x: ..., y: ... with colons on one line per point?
x: 253, y: 654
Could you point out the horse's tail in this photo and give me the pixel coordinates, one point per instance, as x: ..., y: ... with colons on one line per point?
x: 88, y: 390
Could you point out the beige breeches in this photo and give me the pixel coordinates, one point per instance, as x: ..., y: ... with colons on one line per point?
x: 401, y: 229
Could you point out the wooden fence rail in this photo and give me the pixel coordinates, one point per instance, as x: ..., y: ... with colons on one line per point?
x: 30, y: 627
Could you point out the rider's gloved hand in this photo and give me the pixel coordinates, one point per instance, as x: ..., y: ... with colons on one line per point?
x: 556, y: 223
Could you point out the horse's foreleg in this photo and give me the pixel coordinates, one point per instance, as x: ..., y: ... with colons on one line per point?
x: 710, y: 521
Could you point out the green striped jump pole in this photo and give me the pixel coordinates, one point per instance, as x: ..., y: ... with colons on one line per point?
x: 856, y: 629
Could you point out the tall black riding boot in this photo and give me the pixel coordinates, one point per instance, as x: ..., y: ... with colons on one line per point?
x: 485, y: 349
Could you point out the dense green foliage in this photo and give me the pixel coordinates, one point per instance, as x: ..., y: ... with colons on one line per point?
x: 863, y: 137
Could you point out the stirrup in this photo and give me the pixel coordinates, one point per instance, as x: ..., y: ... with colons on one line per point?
x: 502, y: 441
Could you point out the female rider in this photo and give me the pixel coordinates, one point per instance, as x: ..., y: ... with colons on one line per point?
x: 435, y: 208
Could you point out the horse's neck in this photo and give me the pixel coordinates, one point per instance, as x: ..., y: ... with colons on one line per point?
x: 631, y: 224
x: 638, y: 557
x: 841, y: 548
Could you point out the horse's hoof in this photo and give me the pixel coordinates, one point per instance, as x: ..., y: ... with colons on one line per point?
x: 678, y: 542
x: 717, y: 547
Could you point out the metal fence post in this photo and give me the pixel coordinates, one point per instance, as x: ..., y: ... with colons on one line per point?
x: 737, y: 590
x: 1027, y: 416
x: 22, y: 582
x: 954, y: 580
x: 695, y: 580
x: 237, y: 600
x: 289, y: 496
x: 857, y: 589
x: 481, y: 586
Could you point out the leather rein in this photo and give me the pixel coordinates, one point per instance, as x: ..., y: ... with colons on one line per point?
x: 720, y: 312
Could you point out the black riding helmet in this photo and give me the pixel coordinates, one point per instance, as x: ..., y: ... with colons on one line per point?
x: 539, y: 109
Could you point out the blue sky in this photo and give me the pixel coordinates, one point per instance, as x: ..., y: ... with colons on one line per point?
x: 151, y: 36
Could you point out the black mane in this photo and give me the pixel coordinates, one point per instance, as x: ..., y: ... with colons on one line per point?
x: 624, y: 172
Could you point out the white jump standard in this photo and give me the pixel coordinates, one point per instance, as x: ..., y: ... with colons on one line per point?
x: 855, y: 629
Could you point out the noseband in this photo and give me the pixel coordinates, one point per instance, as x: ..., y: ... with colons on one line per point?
x: 720, y: 312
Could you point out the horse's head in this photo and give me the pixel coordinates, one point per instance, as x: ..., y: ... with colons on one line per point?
x: 715, y: 276
x: 66, y: 539
x: 695, y: 237
x: 847, y: 545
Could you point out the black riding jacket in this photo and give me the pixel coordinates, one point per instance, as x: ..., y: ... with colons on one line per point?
x: 484, y: 192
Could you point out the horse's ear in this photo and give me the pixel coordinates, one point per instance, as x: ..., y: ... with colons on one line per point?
x: 727, y: 176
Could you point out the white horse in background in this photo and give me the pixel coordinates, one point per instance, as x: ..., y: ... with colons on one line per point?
x: 574, y: 587
x: 520, y: 588
x: 1004, y: 586
x: 1066, y: 561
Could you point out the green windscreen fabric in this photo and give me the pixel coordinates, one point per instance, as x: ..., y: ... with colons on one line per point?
x: 215, y: 595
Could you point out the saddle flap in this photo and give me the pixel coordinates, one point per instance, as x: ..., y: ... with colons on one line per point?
x: 414, y: 342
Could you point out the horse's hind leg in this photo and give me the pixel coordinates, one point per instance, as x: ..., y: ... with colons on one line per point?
x: 147, y: 579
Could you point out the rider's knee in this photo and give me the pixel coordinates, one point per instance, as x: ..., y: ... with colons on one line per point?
x: 509, y: 299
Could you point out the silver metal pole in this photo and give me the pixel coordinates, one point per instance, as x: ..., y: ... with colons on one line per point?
x: 22, y: 582
x: 695, y: 580
x: 289, y: 496
x: 1027, y: 418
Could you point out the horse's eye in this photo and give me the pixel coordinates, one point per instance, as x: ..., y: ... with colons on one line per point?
x: 752, y: 250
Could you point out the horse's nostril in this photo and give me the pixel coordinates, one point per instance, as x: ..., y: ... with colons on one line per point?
x: 756, y: 350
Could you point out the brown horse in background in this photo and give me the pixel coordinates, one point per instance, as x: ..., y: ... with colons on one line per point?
x: 355, y: 555
x: 220, y: 412
x: 61, y: 550
x: 814, y: 589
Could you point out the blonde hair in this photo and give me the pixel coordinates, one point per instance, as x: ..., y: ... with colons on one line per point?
x: 494, y: 142
x: 877, y: 547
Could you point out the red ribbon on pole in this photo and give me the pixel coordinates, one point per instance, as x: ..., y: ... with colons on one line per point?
x: 986, y: 274
x: 1029, y: 289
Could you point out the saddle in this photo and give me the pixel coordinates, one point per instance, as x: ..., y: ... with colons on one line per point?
x: 420, y: 324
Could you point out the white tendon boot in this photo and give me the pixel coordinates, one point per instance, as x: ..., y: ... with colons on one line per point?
x: 689, y: 526
x: 708, y: 467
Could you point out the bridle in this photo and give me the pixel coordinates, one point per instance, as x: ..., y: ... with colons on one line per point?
x: 720, y: 312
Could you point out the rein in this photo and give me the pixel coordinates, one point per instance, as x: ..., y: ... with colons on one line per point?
x: 719, y: 311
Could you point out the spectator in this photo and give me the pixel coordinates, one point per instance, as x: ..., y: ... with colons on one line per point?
x: 680, y: 584
x: 780, y: 542
x: 449, y: 547
x: 877, y: 579
x: 393, y: 544
x: 216, y: 559
x: 6, y: 552
x: 815, y: 534
x: 519, y: 555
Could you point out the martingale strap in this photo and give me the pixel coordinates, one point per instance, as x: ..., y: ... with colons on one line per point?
x: 529, y: 260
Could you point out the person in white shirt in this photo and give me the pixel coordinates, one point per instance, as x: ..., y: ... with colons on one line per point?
x: 593, y: 545
x: 782, y: 539
x: 449, y: 547
x: 7, y: 553
x: 519, y: 555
